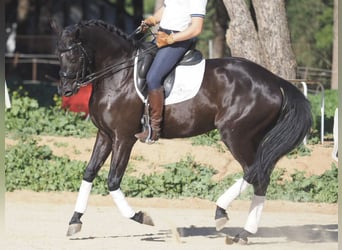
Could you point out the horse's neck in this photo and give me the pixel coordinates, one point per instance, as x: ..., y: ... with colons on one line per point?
x: 110, y: 54
x: 120, y: 65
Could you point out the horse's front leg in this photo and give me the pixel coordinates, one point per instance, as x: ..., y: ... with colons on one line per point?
x: 121, y: 153
x: 101, y: 150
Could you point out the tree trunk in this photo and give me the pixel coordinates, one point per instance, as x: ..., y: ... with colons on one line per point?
x: 274, y: 37
x: 266, y: 40
x: 220, y: 24
x: 334, y: 79
x: 242, y: 37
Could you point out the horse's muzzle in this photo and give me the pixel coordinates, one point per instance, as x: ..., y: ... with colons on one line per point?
x: 67, y: 88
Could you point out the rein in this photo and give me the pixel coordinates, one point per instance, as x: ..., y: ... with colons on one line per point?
x: 86, y: 61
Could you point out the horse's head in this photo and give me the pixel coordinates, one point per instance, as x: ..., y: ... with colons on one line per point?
x: 74, y: 59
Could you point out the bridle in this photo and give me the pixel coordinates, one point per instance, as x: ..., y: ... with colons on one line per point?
x: 84, y: 76
x: 84, y: 60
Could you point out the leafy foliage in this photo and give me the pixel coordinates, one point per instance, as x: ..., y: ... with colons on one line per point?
x: 312, y: 43
x: 322, y: 188
x: 183, y: 178
x: 301, y: 150
x: 212, y: 138
x: 30, y: 166
x: 26, y: 117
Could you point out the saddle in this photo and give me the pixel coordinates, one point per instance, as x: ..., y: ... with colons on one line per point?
x: 146, y: 54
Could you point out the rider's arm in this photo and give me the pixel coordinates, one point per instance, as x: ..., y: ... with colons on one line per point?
x: 158, y: 14
x: 155, y: 18
x: 194, y: 29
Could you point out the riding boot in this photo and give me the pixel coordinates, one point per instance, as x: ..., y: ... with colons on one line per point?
x: 156, y: 102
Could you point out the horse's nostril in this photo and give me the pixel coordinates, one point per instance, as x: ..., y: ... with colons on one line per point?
x: 67, y: 93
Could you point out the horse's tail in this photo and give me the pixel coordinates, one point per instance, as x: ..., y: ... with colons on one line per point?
x: 292, y: 126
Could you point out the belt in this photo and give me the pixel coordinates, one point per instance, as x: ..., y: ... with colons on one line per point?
x: 167, y: 31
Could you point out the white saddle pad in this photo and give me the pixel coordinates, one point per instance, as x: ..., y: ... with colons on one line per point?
x: 188, y: 81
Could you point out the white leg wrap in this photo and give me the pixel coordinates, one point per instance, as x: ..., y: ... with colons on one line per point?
x: 234, y: 191
x: 83, y: 195
x: 122, y: 204
x: 254, y: 215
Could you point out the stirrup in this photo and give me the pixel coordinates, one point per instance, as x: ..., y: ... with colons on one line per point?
x: 148, y: 139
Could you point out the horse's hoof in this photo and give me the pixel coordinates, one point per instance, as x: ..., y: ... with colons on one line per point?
x: 143, y: 218
x: 242, y: 237
x: 241, y: 241
x: 147, y: 220
x: 73, y: 229
x: 221, y: 218
x: 229, y: 240
x: 220, y: 223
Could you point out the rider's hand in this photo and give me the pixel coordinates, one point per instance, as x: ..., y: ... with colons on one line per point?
x: 150, y: 21
x: 147, y: 23
x: 164, y: 39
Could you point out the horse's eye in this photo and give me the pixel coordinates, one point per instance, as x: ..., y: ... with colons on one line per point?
x: 73, y: 60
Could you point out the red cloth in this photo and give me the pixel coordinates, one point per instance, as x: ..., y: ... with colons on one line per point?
x: 78, y: 102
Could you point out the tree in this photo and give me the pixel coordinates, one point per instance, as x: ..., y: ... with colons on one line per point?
x: 334, y: 80
x: 311, y: 28
x: 220, y: 25
x: 264, y: 37
x: 274, y: 37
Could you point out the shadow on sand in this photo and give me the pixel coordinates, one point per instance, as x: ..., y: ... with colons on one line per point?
x: 304, y: 234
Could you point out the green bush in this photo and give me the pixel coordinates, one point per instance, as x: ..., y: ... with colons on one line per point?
x: 30, y: 166
x: 316, y: 188
x: 184, y: 178
x: 26, y: 117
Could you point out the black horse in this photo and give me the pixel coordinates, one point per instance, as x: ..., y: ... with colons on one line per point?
x: 260, y: 116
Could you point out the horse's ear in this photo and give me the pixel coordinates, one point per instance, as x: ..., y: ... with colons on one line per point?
x: 77, y: 33
x: 56, y: 27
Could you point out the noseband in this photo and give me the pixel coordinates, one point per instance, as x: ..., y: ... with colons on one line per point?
x: 85, y: 62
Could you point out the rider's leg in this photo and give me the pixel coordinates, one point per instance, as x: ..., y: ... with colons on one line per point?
x: 165, y: 60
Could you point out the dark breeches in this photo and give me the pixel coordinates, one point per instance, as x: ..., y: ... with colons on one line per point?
x: 165, y: 60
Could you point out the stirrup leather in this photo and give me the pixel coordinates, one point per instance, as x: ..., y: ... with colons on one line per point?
x: 146, y: 125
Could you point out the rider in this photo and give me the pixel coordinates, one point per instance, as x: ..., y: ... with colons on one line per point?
x: 179, y: 22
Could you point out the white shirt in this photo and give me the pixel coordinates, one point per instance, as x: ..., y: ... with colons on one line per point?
x: 177, y: 13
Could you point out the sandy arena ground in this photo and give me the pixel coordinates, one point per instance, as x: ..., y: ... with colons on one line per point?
x: 40, y: 220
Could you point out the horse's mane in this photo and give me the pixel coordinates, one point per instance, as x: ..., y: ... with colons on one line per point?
x: 108, y: 27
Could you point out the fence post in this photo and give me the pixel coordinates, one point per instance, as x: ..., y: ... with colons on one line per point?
x: 7, y: 99
x: 334, y: 153
x: 305, y: 92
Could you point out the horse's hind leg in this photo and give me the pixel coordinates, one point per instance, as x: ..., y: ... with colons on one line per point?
x: 224, y: 201
x: 243, y: 150
x: 254, y: 215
